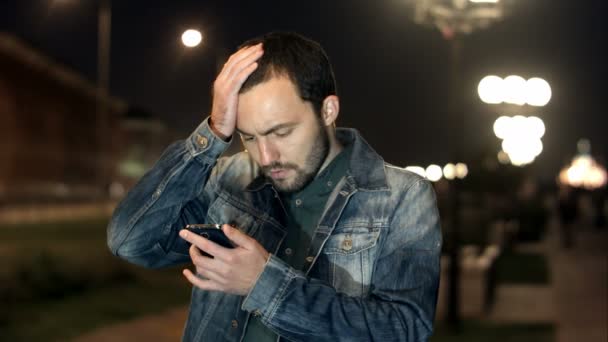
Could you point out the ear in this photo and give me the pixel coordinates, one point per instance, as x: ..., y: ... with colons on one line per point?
x: 330, y: 110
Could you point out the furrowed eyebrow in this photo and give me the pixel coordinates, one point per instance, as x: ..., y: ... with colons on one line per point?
x: 270, y: 130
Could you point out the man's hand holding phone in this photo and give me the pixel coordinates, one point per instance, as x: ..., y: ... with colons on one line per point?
x: 211, y: 231
x: 231, y: 270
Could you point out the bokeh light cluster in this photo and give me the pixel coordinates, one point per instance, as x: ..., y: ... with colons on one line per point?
x: 435, y: 172
x: 514, y: 90
x: 521, y: 138
x: 583, y: 172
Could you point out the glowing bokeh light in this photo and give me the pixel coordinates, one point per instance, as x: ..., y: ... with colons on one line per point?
x: 503, y: 157
x: 514, y: 90
x: 419, y: 170
x: 538, y: 92
x: 522, y: 150
x: 434, y: 172
x: 462, y: 170
x: 584, y: 172
x: 502, y: 127
x: 536, y: 125
x: 449, y: 171
x: 490, y: 89
x: 191, y: 38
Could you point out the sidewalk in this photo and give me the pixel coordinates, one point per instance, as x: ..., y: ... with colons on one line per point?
x: 580, y: 276
x: 576, y: 300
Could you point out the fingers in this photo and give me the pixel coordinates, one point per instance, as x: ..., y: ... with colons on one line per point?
x: 211, y: 268
x: 204, y: 245
x: 231, y: 78
x: 239, y: 238
x: 207, y: 267
x: 241, y: 60
x: 204, y: 284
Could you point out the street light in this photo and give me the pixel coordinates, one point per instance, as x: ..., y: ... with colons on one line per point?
x: 514, y: 90
x: 454, y: 18
x: 191, y: 38
x: 521, y: 138
x: 458, y: 16
x: 584, y: 171
x: 103, y: 83
x: 434, y: 173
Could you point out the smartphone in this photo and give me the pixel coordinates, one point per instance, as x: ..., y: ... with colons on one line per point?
x: 212, y: 232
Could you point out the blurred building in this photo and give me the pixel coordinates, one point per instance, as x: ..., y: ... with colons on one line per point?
x: 143, y: 138
x: 51, y: 149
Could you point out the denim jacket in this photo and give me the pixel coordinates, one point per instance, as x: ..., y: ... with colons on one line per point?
x: 372, y: 271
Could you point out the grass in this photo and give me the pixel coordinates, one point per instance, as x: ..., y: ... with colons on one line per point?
x: 522, y: 268
x: 477, y: 331
x: 68, y: 317
x: 59, y: 281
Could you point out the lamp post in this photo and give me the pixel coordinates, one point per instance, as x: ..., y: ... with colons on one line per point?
x: 103, y: 82
x: 454, y: 18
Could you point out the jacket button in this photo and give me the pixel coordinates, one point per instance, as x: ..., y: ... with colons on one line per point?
x: 257, y: 313
x: 235, y: 323
x: 202, y: 141
x: 347, y: 245
x: 310, y: 259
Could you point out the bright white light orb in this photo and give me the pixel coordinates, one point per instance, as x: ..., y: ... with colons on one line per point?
x: 191, y: 38
x: 515, y: 90
x: 491, y: 89
x: 449, y: 171
x: 536, y: 125
x: 522, y: 150
x: 419, y: 170
x: 584, y: 172
x: 502, y: 127
x: 434, y: 172
x: 538, y: 92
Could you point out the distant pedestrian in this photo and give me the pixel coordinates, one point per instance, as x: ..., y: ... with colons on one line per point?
x: 568, y: 213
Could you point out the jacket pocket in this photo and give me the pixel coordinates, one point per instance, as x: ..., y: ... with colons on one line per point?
x: 349, y: 255
x: 223, y: 212
x: 351, y: 242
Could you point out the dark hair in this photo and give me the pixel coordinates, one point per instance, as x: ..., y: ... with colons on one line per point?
x: 301, y: 59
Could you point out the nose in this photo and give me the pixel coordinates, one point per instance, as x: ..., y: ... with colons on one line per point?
x: 268, y: 152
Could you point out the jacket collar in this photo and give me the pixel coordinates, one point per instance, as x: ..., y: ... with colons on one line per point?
x: 366, y: 166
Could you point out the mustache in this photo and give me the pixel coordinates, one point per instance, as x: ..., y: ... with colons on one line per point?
x: 278, y: 165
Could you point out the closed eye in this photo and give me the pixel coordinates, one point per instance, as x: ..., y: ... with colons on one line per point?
x: 283, y: 132
x: 247, y: 138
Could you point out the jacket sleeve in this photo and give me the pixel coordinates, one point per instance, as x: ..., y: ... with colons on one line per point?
x: 177, y: 190
x: 404, y: 286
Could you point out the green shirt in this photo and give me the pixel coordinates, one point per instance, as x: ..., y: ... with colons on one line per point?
x: 304, y: 210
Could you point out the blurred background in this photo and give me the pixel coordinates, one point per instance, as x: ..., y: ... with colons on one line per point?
x: 499, y: 102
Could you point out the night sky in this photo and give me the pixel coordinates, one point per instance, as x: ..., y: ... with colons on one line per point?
x: 393, y: 75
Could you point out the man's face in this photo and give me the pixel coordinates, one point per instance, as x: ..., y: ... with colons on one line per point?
x: 282, y: 133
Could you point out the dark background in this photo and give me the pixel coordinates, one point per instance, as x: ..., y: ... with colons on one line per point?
x: 393, y: 75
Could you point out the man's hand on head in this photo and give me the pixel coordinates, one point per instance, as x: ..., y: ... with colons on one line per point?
x: 227, y: 86
x: 232, y: 271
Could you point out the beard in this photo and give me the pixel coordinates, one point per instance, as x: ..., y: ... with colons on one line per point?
x: 305, y: 174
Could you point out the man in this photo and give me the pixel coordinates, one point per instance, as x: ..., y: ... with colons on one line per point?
x: 331, y: 243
